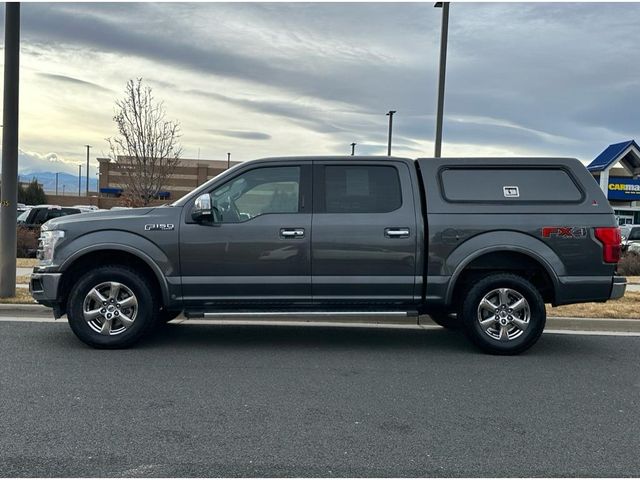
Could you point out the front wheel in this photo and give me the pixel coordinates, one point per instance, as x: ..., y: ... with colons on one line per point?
x: 503, y: 314
x: 111, y: 307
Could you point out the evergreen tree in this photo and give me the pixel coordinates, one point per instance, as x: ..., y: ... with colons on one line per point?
x: 32, y: 195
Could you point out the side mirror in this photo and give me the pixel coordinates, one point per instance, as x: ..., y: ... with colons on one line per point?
x: 202, y: 210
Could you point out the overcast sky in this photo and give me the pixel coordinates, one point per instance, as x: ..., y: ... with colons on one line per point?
x: 259, y: 79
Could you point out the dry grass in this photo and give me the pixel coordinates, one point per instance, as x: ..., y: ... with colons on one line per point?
x: 23, y: 278
x: 626, y: 307
x: 633, y: 279
x: 26, y: 262
x: 22, y: 296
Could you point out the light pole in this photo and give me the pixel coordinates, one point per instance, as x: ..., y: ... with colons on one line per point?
x: 444, y: 33
x: 9, y: 195
x: 88, y: 147
x: 63, y: 187
x: 79, y: 177
x: 57, y: 182
x: 228, y: 160
x: 390, y: 115
x: 353, y: 148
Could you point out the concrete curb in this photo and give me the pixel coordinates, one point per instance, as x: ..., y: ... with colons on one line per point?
x: 553, y: 323
x: 22, y: 308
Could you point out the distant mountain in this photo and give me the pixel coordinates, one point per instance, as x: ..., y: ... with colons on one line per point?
x: 48, y: 181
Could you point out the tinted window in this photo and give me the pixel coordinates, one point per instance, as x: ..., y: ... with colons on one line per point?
x: 258, y: 192
x: 509, y: 185
x: 635, y: 234
x: 361, y: 189
x: 41, y: 216
x: 70, y: 211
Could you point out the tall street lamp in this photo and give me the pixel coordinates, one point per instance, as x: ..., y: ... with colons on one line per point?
x: 88, y: 147
x: 9, y: 176
x: 79, y: 177
x: 390, y: 115
x: 228, y: 160
x: 353, y: 148
x: 57, y: 173
x: 444, y: 33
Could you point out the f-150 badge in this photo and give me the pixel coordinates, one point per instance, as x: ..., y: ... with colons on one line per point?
x: 159, y: 226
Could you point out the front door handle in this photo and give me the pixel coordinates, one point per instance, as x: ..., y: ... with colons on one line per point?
x: 396, y: 232
x: 292, y: 232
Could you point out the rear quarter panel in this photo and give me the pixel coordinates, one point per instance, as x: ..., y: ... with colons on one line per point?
x: 458, y: 232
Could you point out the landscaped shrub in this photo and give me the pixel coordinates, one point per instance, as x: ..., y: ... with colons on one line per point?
x: 629, y: 264
x: 27, y: 242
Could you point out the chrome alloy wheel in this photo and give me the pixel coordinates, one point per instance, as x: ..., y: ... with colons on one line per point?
x: 110, y: 308
x: 504, y: 314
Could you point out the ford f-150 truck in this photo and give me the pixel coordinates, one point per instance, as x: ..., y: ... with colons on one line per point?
x: 477, y: 243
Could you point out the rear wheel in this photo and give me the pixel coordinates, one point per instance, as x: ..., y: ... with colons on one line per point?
x: 111, y: 307
x: 503, y: 314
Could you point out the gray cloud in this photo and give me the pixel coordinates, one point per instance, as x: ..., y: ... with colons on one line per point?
x: 244, y: 134
x: 556, y: 79
x: 73, y: 81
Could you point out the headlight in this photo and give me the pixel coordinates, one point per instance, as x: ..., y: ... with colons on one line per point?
x: 47, y: 244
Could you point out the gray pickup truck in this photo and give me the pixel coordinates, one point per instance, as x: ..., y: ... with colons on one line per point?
x: 476, y: 243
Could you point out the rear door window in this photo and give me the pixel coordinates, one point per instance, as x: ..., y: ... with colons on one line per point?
x: 506, y: 185
x: 361, y: 189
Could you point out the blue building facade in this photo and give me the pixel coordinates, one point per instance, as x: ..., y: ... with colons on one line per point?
x: 617, y: 170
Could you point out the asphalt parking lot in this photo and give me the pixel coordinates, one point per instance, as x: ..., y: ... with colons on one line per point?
x: 204, y: 400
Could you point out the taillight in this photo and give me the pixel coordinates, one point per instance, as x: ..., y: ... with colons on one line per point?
x: 611, y: 239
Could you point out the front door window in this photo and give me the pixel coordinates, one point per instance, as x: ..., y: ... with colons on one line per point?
x: 258, y: 192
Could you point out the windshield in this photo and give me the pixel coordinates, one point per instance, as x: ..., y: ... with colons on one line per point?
x: 202, y: 188
x: 23, y: 216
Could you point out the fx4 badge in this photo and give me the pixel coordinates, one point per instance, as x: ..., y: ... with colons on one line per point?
x: 564, y: 232
x: 159, y: 226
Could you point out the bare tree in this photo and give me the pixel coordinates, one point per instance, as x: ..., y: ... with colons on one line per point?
x: 146, y: 149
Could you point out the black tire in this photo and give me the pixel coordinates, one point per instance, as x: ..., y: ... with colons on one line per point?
x: 446, y: 319
x: 523, y: 338
x: 132, y: 281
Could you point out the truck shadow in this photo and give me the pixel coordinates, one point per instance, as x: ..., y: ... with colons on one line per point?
x: 285, y: 336
x: 189, y: 336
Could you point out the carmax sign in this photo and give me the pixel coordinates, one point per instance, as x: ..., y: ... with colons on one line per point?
x: 621, y: 188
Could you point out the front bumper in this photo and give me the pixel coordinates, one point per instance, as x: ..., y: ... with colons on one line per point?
x: 618, y: 288
x: 43, y: 287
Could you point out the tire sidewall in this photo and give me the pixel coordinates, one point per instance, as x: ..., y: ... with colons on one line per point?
x: 474, y: 330
x: 145, y: 317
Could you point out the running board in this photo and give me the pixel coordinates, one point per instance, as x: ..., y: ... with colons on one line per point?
x: 388, y: 316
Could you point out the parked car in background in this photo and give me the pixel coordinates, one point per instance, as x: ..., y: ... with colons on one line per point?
x: 87, y: 208
x: 630, y: 235
x: 21, y: 207
x: 40, y: 214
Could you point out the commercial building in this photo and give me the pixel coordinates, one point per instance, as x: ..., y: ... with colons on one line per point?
x: 617, y: 170
x: 189, y: 174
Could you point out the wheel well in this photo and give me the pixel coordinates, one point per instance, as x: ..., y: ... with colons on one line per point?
x: 510, y: 262
x: 105, y: 257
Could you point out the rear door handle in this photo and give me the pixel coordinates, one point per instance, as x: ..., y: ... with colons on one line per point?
x: 396, y: 232
x: 292, y: 232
